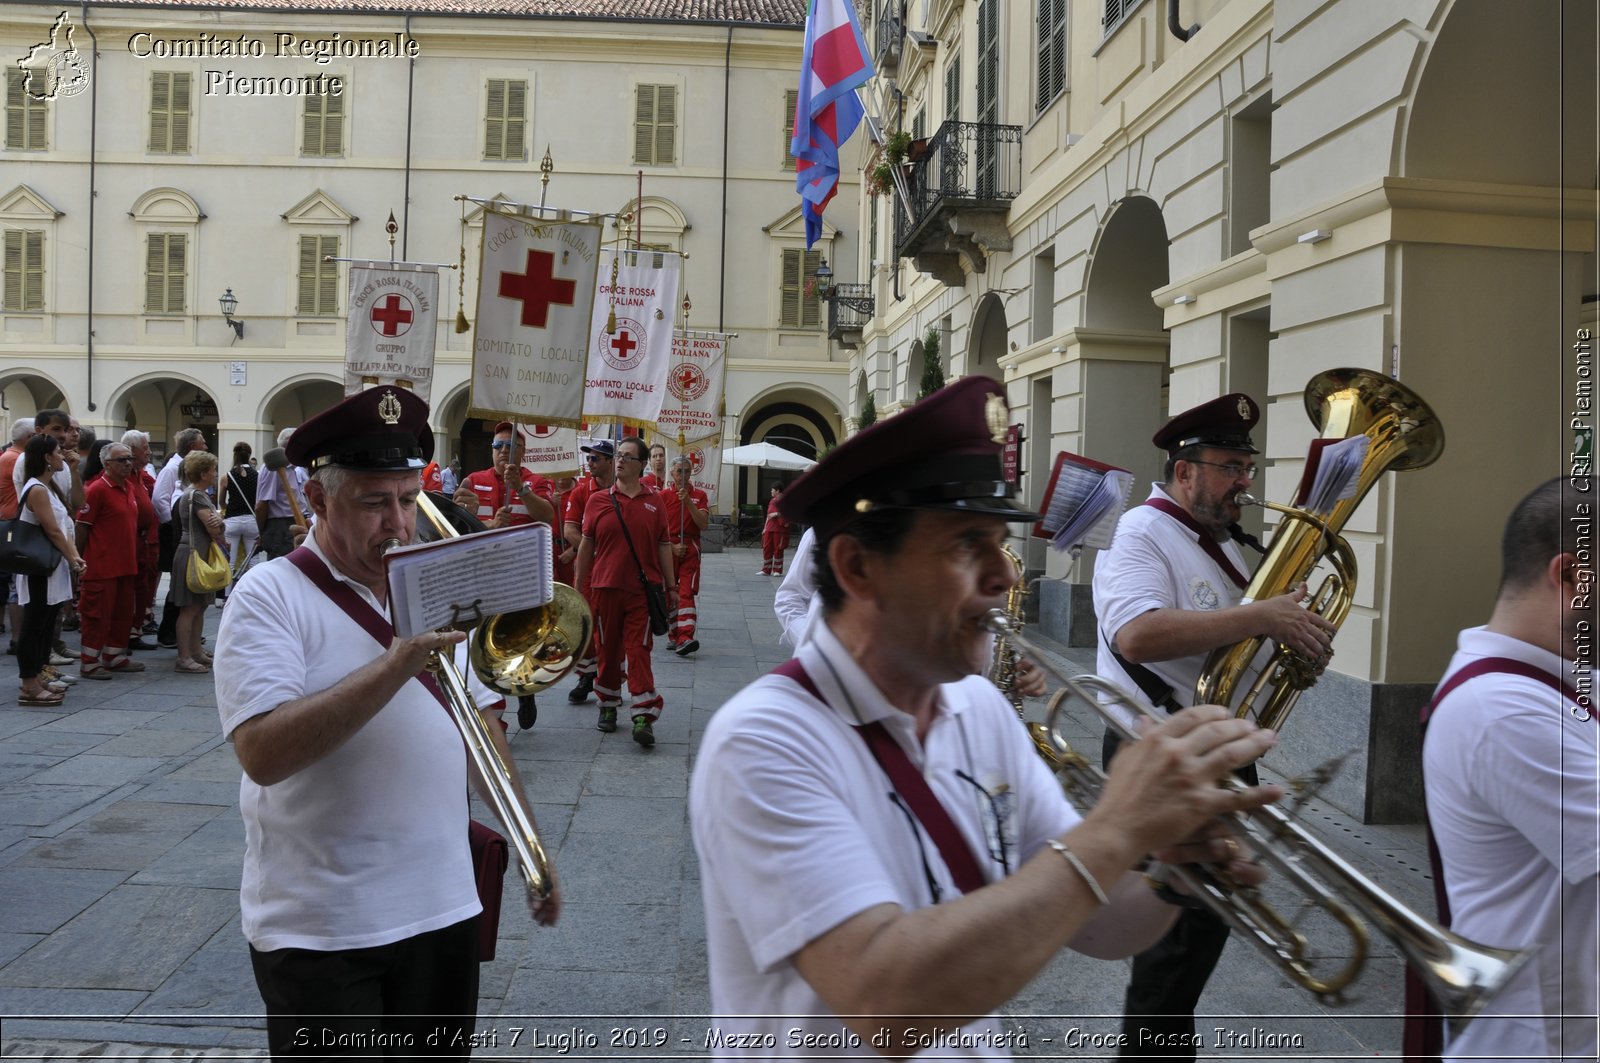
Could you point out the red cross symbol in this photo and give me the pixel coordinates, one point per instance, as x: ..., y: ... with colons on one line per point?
x: 624, y: 345
x: 538, y: 289
x: 390, y: 315
x: 686, y: 378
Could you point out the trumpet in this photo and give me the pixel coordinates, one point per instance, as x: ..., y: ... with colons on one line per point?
x: 1463, y: 975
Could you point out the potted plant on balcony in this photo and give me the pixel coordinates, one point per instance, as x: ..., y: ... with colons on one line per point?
x: 896, y: 146
x: 880, y: 179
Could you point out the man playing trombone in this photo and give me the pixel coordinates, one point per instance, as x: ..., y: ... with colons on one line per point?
x: 885, y: 860
x: 358, y: 898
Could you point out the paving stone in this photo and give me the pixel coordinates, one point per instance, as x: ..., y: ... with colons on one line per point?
x: 23, y: 720
x: 188, y: 718
x: 147, y: 743
x: 51, y: 743
x: 133, y: 938
x: 127, y: 836
x: 15, y: 767
x: 192, y: 792
x: 29, y: 804
x: 216, y: 981
x: 629, y: 815
x: 595, y: 867
x: 99, y: 721
x: 211, y: 856
x: 216, y: 765
x: 18, y: 1001
x: 93, y: 768
x: 12, y: 946
x: 559, y: 997
x: 39, y: 900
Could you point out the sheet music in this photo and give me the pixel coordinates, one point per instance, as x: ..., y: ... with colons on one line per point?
x: 1337, y: 473
x: 1085, y: 501
x: 432, y: 585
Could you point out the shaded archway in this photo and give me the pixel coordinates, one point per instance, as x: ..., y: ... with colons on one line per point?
x: 298, y: 400
x: 25, y: 392
x: 163, y: 404
x: 988, y: 343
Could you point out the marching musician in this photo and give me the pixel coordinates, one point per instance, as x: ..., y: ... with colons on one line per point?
x: 358, y: 899
x: 885, y: 860
x: 1167, y: 593
x: 1511, y: 763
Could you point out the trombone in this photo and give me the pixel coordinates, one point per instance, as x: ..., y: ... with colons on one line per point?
x: 1463, y: 975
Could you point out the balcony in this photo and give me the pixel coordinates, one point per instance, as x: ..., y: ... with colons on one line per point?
x: 889, y: 34
x: 850, y: 307
x: 960, y: 190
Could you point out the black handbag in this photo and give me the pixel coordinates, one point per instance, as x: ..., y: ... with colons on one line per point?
x: 655, y: 598
x: 25, y: 549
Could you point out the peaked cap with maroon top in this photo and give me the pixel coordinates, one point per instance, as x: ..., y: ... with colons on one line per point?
x: 382, y: 429
x: 942, y: 453
x: 1224, y: 422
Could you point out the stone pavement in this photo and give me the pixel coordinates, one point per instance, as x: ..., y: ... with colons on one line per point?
x: 120, y: 848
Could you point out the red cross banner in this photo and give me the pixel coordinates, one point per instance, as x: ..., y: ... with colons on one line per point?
x: 390, y: 330
x: 628, y: 366
x: 705, y: 465
x: 551, y: 451
x: 694, y: 386
x: 536, y: 288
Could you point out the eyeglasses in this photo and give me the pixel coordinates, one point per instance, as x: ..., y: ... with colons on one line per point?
x: 1233, y: 469
x: 592, y: 458
x: 630, y: 457
x: 119, y: 461
x: 504, y: 444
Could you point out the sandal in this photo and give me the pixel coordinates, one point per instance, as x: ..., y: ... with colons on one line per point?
x: 187, y: 664
x: 44, y: 699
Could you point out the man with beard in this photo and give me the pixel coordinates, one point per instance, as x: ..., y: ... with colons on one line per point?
x: 1167, y: 593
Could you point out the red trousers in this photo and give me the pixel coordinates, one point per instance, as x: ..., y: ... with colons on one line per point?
x: 622, y: 641
x: 105, y: 611
x: 773, y: 544
x: 149, y: 579
x: 683, y: 617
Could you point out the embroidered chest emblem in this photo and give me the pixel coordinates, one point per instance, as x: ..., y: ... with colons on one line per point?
x: 1203, y: 595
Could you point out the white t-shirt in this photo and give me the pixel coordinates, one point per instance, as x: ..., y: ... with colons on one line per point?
x: 58, y: 588
x: 797, y: 833
x: 1512, y: 771
x: 368, y: 845
x: 797, y: 603
x: 1156, y: 563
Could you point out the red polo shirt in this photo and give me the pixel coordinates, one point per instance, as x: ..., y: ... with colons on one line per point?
x: 613, y: 565
x: 679, y: 527
x: 144, y: 490
x: 577, y: 500
x: 490, y: 490
x: 113, y: 516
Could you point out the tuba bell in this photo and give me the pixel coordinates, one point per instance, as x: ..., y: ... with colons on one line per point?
x: 1404, y: 434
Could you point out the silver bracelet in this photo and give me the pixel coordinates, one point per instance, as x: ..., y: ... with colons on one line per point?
x: 1083, y: 872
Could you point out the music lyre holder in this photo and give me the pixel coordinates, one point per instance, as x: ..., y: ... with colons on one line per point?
x: 473, y: 611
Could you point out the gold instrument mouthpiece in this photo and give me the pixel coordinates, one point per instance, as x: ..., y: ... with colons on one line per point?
x: 390, y: 544
x: 1245, y: 498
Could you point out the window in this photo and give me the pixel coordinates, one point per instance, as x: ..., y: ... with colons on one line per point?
x: 952, y: 90
x: 169, y: 112
x: 505, y: 118
x: 1052, y: 74
x: 1117, y: 12
x: 655, y: 124
x: 799, y: 310
x: 919, y: 124
x: 25, y: 116
x: 165, y: 271
x: 24, y: 270
x: 323, y: 131
x: 318, y: 278
x: 791, y: 100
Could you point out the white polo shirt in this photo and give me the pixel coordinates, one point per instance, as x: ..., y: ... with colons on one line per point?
x: 368, y: 845
x: 1513, y: 783
x: 1156, y: 563
x: 797, y: 832
x: 797, y: 603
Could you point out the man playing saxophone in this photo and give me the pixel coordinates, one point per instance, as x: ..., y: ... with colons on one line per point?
x: 1167, y: 593
x: 885, y: 859
x: 358, y: 896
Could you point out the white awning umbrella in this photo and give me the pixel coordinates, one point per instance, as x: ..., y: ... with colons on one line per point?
x: 766, y: 456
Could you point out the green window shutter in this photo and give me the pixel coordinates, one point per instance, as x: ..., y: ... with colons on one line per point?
x: 324, y: 126
x: 13, y: 297
x: 655, y: 124
x: 791, y: 100
x: 177, y: 271
x: 25, y: 116
x: 311, y: 127
x: 516, y: 119
x: 952, y: 91
x: 1052, y: 58
x: 494, y: 120
x: 33, y: 270
x: 160, y: 111
x: 810, y: 309
x: 666, y: 124
x: 318, y: 280
x: 165, y: 271
x: 181, y: 90
x: 795, y: 310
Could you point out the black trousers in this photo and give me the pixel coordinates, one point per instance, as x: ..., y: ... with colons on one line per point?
x: 412, y: 998
x: 1169, y: 976
x: 38, y: 629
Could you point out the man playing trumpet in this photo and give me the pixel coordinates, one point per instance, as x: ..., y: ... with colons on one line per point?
x: 885, y: 860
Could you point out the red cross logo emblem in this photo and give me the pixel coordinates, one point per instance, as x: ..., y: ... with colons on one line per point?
x: 697, y: 461
x: 623, y: 350
x: 624, y: 344
x: 540, y: 431
x: 392, y: 316
x: 538, y: 289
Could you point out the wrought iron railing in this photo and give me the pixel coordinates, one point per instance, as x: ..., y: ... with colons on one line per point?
x: 888, y: 31
x: 966, y: 164
x: 850, y: 307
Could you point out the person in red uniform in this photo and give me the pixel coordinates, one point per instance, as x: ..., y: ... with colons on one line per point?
x: 503, y: 496
x: 560, y: 491
x: 655, y: 476
x: 688, y: 511
x: 600, y: 456
x: 432, y: 478
x: 626, y: 513
x: 774, y: 537
x: 108, y: 539
x: 149, y: 574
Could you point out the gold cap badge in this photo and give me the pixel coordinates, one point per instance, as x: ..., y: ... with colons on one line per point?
x: 1244, y: 408
x: 994, y: 411
x: 389, y: 408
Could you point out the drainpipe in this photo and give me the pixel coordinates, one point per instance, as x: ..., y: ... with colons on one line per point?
x: 722, y: 270
x: 94, y: 95
x: 405, y: 206
x: 1176, y: 26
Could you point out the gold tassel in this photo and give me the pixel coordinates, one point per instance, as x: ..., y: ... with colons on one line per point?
x: 462, y: 324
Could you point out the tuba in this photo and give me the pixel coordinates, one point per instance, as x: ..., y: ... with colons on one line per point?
x: 1462, y: 974
x: 1404, y: 434
x: 516, y: 654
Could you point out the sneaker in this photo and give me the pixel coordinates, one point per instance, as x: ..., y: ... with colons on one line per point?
x: 140, y: 644
x: 150, y: 628
x: 51, y: 674
x: 168, y: 643
x: 642, y: 732
x: 580, y: 693
x: 687, y: 647
x: 607, y: 721
x: 527, y: 712
x: 61, y: 658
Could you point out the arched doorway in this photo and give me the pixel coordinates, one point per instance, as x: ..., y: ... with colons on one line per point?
x: 988, y: 344
x: 165, y: 405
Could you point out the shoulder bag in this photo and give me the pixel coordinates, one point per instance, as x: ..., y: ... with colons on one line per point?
x: 25, y: 549
x: 654, y: 597
x: 208, y: 572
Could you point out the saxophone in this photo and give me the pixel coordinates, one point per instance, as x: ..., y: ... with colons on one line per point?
x: 1003, y: 672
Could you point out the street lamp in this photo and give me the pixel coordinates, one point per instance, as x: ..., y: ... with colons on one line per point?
x: 823, y: 278
x: 229, y: 303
